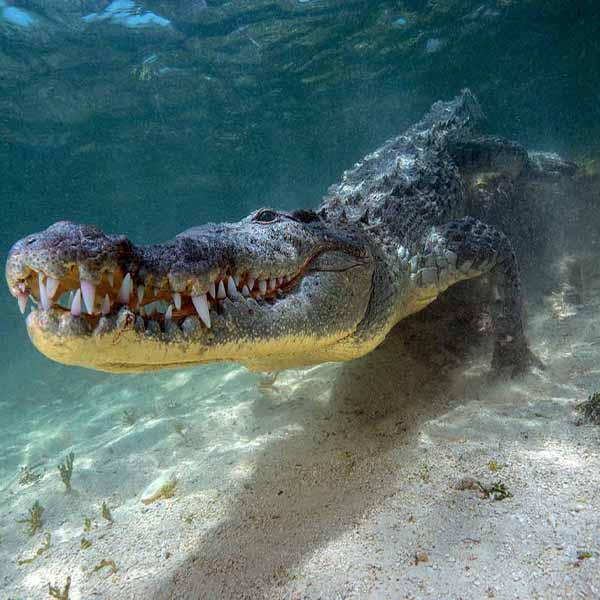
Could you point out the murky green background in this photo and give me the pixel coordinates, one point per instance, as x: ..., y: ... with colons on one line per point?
x: 147, y: 118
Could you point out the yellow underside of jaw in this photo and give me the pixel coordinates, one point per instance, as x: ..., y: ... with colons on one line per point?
x: 128, y: 351
x: 131, y: 352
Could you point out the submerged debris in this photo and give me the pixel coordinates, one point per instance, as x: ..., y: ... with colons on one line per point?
x: 161, y: 488
x: 66, y: 470
x: 165, y: 492
x: 56, y: 592
x: 34, y: 520
x: 591, y: 408
x: 496, y: 491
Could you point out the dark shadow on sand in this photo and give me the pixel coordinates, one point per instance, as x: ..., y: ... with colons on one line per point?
x: 311, y: 487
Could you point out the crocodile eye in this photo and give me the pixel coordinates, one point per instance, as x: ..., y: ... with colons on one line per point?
x: 266, y: 216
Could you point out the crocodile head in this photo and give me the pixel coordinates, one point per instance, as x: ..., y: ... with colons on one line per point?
x: 272, y: 291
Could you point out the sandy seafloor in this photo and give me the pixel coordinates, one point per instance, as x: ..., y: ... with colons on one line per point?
x: 324, y: 483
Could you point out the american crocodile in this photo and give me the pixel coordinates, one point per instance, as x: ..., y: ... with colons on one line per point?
x: 282, y: 289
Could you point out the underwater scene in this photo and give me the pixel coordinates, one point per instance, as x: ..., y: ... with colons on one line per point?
x: 302, y: 299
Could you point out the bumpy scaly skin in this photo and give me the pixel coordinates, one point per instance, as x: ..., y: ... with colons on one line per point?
x: 297, y: 288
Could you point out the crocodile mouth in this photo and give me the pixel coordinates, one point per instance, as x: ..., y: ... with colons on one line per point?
x: 151, y: 305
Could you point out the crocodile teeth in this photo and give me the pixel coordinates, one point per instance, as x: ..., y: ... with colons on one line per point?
x: 43, y: 293
x: 169, y: 313
x: 201, y: 306
x: 22, y: 300
x: 245, y: 291
x: 140, y: 293
x: 212, y: 290
x: 236, y: 279
x: 177, y: 300
x: 221, y: 291
x: 231, y: 288
x: 76, y: 305
x: 125, y: 290
x: 250, y: 283
x: 106, y: 305
x: 51, y: 286
x: 262, y: 286
x: 272, y: 283
x: 88, y: 291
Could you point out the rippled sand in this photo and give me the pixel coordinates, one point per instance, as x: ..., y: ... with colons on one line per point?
x: 320, y: 483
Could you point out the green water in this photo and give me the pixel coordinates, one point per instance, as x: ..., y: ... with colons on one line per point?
x: 147, y: 118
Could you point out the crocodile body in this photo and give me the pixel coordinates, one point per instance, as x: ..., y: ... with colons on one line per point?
x: 276, y: 289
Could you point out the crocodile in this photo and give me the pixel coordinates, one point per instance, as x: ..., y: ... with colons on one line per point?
x: 283, y: 289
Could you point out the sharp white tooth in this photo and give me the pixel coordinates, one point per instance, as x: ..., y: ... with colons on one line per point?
x: 76, y: 305
x: 169, y: 313
x: 125, y: 290
x: 177, y: 300
x: 250, y: 283
x: 211, y: 290
x: 106, y: 304
x: 88, y: 291
x: 140, y: 293
x: 51, y: 287
x: 22, y: 300
x: 221, y: 291
x: 245, y: 291
x: 236, y: 279
x: 110, y: 276
x: 262, y: 286
x: 43, y: 293
x: 70, y: 300
x: 201, y: 306
x: 272, y: 283
x: 231, y: 289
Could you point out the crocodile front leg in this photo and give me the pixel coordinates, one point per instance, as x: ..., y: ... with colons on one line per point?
x: 467, y: 248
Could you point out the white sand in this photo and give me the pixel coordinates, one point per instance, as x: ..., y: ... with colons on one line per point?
x: 324, y: 484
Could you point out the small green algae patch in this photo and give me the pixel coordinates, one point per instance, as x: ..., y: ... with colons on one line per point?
x: 106, y: 563
x: 43, y: 548
x: 591, y: 409
x: 56, y: 592
x: 34, y: 521
x: 494, y: 466
x: 85, y: 543
x: 66, y: 471
x: 106, y: 514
